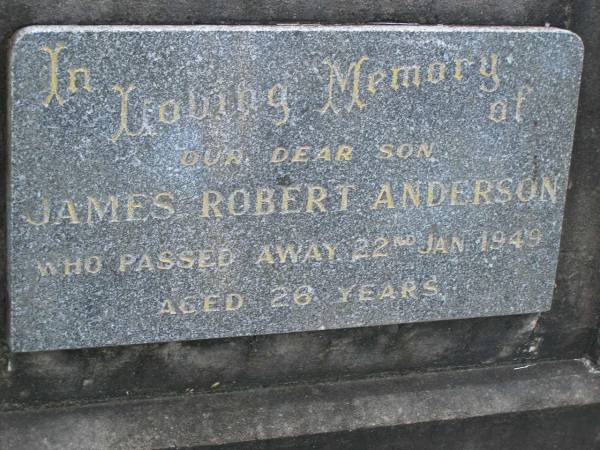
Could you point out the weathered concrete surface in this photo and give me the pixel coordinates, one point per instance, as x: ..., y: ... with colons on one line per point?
x: 571, y: 428
x: 422, y: 411
x: 516, y: 12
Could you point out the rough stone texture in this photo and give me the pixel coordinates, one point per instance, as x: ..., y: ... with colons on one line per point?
x: 562, y: 428
x: 496, y: 105
x: 419, y: 411
x: 568, y: 330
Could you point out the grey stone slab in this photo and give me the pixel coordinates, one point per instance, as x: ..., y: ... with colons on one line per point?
x: 173, y: 183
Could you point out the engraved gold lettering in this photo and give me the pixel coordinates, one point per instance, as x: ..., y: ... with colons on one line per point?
x: 92, y: 264
x: 85, y: 73
x: 480, y: 192
x: 521, y: 94
x: 455, y: 192
x: 436, y: 72
x: 234, y: 207
x: 345, y: 293
x: 279, y: 154
x: 224, y: 257
x: 133, y: 205
x: 168, y: 308
x: 491, y: 73
x: 498, y: 111
x: 366, y: 292
x: 210, y: 202
x: 313, y: 253
x: 126, y: 261
x: 300, y: 154
x: 436, y: 193
x: 315, y: 197
x: 424, y: 150
x: 279, y: 91
x: 124, y: 113
x: 290, y: 250
x: 387, y: 292
x: 344, y: 191
x: 374, y: 79
x: 205, y: 259
x: 164, y: 201
x: 385, y: 151
x: 384, y: 197
x: 406, y: 76
x: 342, y: 80
x: 409, y: 289
x: 265, y: 256
x: 94, y: 207
x: 404, y: 151
x: 186, y: 260
x: 185, y: 307
x: 324, y: 154
x: 193, y: 106
x: 287, y: 198
x: 233, y: 302
x: 431, y: 288
x: 246, y: 100
x: 458, y: 66
x: 521, y: 188
x: 72, y: 267
x: 209, y: 303
x: 504, y: 190
x: 166, y: 261
x: 410, y: 192
x: 549, y: 187
x: 331, y: 249
x: 53, y: 53
x: 168, y: 112
x: 45, y: 216
x: 233, y: 157
x: 68, y: 212
x: 206, y: 159
x: 46, y: 268
x: 264, y: 201
x: 189, y: 158
x: 144, y: 264
x: 344, y: 152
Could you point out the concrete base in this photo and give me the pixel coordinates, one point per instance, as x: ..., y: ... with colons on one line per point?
x: 541, y: 405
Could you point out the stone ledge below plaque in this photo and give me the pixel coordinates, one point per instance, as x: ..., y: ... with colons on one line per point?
x: 536, y: 403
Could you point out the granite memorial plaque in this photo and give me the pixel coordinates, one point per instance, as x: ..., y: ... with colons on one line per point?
x: 176, y: 183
